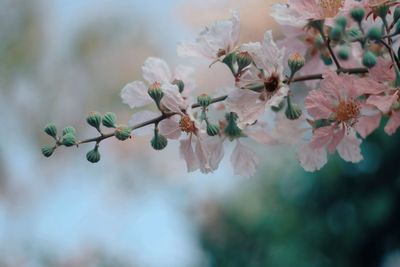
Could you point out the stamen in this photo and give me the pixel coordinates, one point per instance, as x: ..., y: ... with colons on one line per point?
x: 187, y: 125
x: 347, y: 112
x: 330, y: 8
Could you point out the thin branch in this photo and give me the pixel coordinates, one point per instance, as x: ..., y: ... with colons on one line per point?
x: 219, y: 99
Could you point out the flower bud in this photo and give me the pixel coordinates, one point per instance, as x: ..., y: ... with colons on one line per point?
x: 369, y: 59
x: 51, y: 130
x: 243, y: 60
x: 109, y: 120
x: 317, y: 24
x: 156, y: 93
x: 326, y: 59
x: 94, y: 119
x: 230, y: 61
x: 344, y: 53
x: 381, y: 9
x: 231, y: 129
x: 342, y: 22
x: 93, y: 155
x: 68, y: 129
x: 321, y: 123
x: 212, y: 129
x: 69, y: 139
x: 336, y: 33
x: 374, y: 33
x: 319, y: 42
x: 158, y: 142
x: 204, y: 100
x: 354, y: 33
x: 122, y: 132
x: 293, y: 111
x: 180, y: 84
x: 357, y: 14
x: 295, y: 62
x: 47, y: 150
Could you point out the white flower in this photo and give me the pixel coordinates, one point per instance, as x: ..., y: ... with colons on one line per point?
x: 156, y: 72
x: 214, y: 41
x: 244, y: 160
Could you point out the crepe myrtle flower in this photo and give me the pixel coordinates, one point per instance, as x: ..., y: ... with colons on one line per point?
x: 299, y: 13
x: 215, y: 41
x: 339, y: 112
x: 158, y: 76
x: 266, y: 74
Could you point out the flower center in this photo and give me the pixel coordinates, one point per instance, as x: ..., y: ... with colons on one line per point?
x: 187, y: 125
x: 330, y: 8
x: 155, y: 86
x: 272, y: 83
x: 347, y: 111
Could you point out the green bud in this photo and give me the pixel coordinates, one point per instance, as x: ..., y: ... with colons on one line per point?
x: 319, y: 42
x: 51, y: 130
x: 47, y: 150
x: 156, y: 93
x: 344, y: 53
x: 212, y: 129
x: 69, y: 139
x: 357, y: 14
x: 180, y: 84
x: 326, y: 59
x: 369, y: 59
x: 230, y: 61
x: 122, y: 132
x: 336, y: 33
x: 374, y: 33
x: 397, y: 27
x: 293, y: 111
x: 243, y: 60
x: 204, y: 100
x: 158, y: 142
x: 94, y: 119
x: 354, y: 33
x: 295, y: 62
x: 109, y: 120
x: 93, y: 155
x: 381, y: 10
x: 342, y: 22
x: 68, y: 129
x: 232, y: 130
x: 396, y: 14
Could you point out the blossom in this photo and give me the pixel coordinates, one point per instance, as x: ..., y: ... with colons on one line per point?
x: 267, y: 75
x: 298, y: 13
x: 338, y: 107
x: 214, y: 41
x: 158, y: 75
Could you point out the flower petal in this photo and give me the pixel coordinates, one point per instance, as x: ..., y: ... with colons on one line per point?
x: 349, y: 148
x: 187, y: 153
x: 393, y: 123
x: 170, y: 128
x: 244, y: 161
x: 135, y: 94
x: 312, y: 159
x: 156, y: 70
x: 367, y: 124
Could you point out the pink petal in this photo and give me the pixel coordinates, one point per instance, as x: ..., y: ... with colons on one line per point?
x: 383, y: 103
x: 317, y: 105
x: 382, y: 71
x: 170, y: 128
x: 187, y: 153
x: 349, y: 148
x: 246, y: 104
x: 244, y: 161
x: 172, y: 99
x: 135, y: 94
x: 312, y: 159
x: 156, y: 70
x: 321, y: 137
x: 393, y: 123
x: 216, y: 151
x: 367, y: 124
x: 202, y: 155
x: 336, y: 139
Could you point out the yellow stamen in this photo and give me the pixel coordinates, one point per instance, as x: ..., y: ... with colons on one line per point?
x: 330, y: 8
x: 187, y: 125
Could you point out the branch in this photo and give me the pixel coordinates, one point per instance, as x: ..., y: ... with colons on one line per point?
x: 220, y: 99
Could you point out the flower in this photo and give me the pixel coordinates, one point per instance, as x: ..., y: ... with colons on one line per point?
x: 214, y: 41
x: 267, y: 75
x: 299, y: 13
x: 158, y: 76
x: 338, y: 107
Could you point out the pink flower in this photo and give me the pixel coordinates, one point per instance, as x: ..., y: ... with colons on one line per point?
x: 299, y: 12
x: 267, y: 74
x: 337, y: 105
x: 214, y: 41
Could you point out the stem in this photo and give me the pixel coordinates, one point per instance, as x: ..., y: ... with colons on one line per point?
x: 220, y: 99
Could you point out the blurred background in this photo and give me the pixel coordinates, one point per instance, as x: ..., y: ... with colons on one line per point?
x: 60, y: 59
